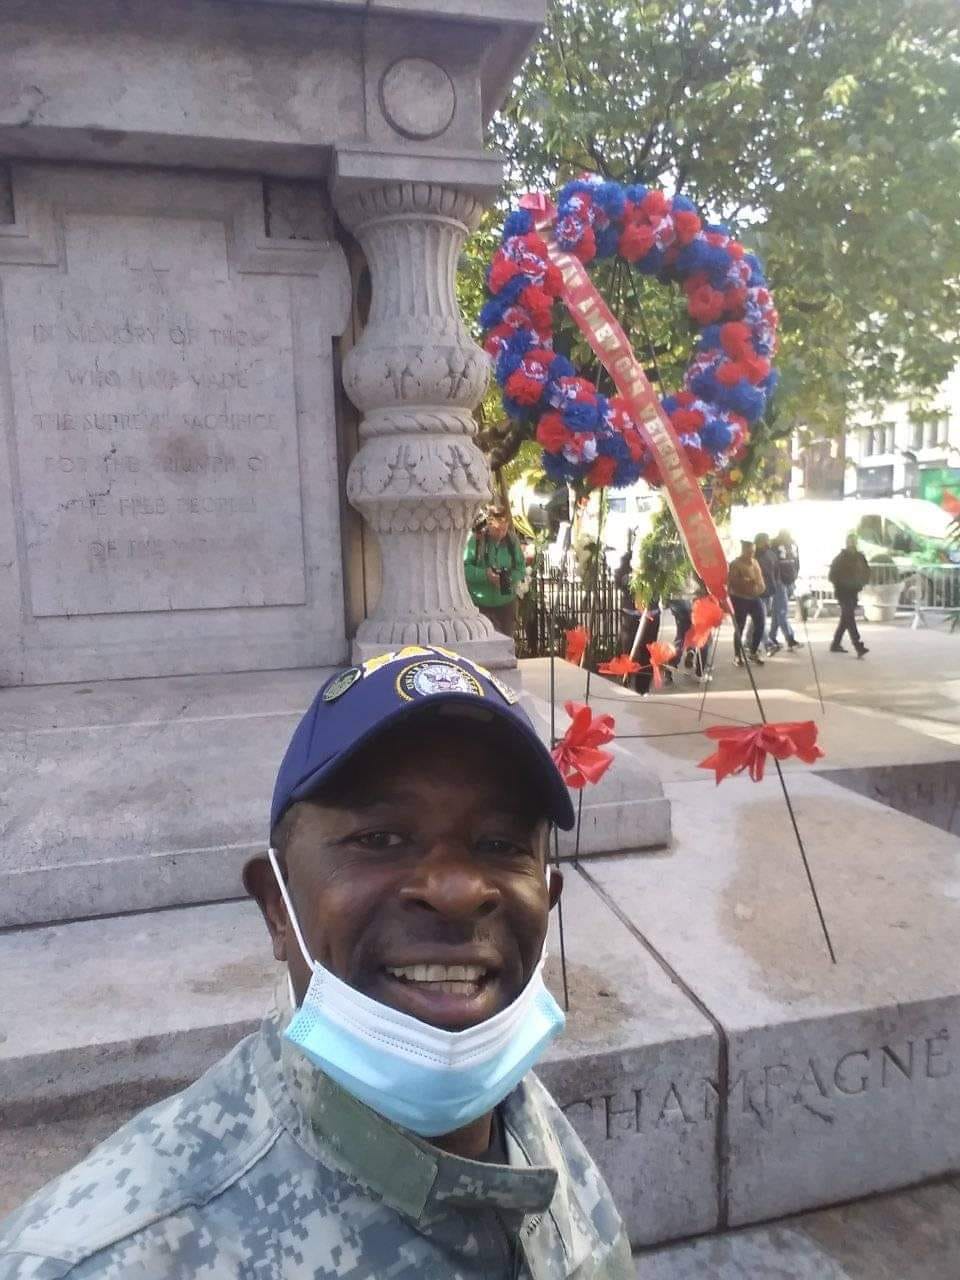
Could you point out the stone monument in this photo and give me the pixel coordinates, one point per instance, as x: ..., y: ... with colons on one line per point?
x: 236, y: 395
x: 175, y: 287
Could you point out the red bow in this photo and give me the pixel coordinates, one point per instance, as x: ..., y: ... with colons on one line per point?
x: 660, y: 655
x: 621, y: 665
x: 747, y: 748
x: 577, y: 755
x: 577, y: 640
x: 707, y: 616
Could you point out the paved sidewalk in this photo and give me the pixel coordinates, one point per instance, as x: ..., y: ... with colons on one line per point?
x: 912, y: 1235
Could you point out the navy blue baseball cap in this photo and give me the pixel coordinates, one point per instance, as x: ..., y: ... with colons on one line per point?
x: 358, y: 703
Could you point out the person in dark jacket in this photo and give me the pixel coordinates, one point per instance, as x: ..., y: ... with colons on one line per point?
x: 849, y: 574
x: 767, y: 560
x: 787, y: 572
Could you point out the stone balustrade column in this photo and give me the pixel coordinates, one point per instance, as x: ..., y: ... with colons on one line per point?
x: 416, y: 375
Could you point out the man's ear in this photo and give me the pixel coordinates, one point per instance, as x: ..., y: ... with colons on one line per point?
x: 260, y: 882
x: 554, y: 885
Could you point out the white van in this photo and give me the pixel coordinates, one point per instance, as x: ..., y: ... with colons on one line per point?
x: 912, y: 531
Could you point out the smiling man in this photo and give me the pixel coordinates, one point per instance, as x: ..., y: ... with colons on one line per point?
x: 384, y: 1121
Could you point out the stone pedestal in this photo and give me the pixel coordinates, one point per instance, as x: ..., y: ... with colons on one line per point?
x: 416, y: 375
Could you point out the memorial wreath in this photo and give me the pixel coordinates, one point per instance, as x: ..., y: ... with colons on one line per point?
x: 587, y: 436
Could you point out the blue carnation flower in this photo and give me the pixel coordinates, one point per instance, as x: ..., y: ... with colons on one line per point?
x: 560, y: 367
x: 744, y: 399
x: 682, y: 205
x: 716, y: 436
x: 716, y: 264
x: 609, y: 196
x: 580, y: 415
x: 771, y: 382
x: 720, y: 227
x: 627, y: 473
x: 557, y: 467
x: 651, y: 262
x: 517, y: 223
x: 507, y: 362
x: 577, y: 187
x: 670, y: 403
x: 709, y: 338
x: 512, y: 290
x: 693, y: 258
x: 520, y: 412
x: 705, y: 386
x: 607, y: 242
x: 637, y: 192
x: 521, y: 341
x: 757, y: 280
x: 491, y: 313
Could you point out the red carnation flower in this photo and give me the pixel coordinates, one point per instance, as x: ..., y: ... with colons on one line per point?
x: 687, y: 224
x: 706, y: 305
x: 685, y: 399
x: 538, y: 304
x: 729, y: 373
x: 635, y: 444
x: 734, y: 300
x: 522, y: 388
x: 553, y: 281
x: 756, y: 368
x: 496, y: 338
x: 551, y: 433
x: 687, y: 420
x: 651, y: 473
x: 586, y: 250
x: 502, y: 271
x: 654, y: 204
x: 533, y: 242
x: 695, y: 282
x: 736, y: 249
x: 601, y: 473
x: 636, y: 242
x: 700, y: 461
x: 735, y: 338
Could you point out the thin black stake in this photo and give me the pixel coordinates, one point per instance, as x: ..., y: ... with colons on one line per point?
x: 786, y: 795
x: 813, y: 661
x: 556, y: 833
x: 591, y: 652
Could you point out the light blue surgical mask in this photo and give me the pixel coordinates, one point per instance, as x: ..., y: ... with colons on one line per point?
x: 424, y: 1078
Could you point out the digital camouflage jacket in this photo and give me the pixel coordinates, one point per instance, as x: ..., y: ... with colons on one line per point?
x: 264, y: 1169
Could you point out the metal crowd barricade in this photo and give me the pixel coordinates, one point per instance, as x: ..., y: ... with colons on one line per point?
x: 933, y: 593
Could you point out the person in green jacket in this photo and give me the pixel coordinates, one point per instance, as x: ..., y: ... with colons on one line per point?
x: 494, y: 569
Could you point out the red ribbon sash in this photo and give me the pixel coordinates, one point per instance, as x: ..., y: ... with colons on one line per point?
x: 602, y: 330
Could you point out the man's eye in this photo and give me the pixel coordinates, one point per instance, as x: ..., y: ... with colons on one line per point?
x: 501, y: 846
x: 380, y: 840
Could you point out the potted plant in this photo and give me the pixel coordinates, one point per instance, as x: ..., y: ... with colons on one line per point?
x: 881, y: 595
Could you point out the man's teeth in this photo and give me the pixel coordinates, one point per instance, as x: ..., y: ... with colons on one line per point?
x: 453, y: 979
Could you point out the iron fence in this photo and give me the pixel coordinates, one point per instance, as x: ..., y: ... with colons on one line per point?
x: 558, y: 601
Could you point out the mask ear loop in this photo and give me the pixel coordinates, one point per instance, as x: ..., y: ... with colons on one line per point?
x: 272, y: 855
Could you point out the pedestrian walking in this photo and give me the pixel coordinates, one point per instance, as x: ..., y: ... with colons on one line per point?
x: 767, y: 560
x: 494, y: 569
x: 849, y: 574
x: 745, y: 586
x: 787, y: 571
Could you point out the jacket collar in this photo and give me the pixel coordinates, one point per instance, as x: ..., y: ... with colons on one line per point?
x: 407, y: 1172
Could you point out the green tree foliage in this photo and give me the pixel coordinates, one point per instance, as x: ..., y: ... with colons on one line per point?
x: 824, y: 132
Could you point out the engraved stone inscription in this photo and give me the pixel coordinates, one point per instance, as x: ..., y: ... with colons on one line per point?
x: 156, y: 422
x: 818, y: 1085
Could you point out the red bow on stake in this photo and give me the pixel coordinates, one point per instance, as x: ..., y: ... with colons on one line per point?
x: 661, y: 654
x: 621, y: 665
x: 577, y: 640
x: 707, y: 616
x: 748, y: 748
x: 577, y: 755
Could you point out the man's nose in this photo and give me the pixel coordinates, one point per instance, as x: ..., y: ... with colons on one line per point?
x: 452, y: 883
